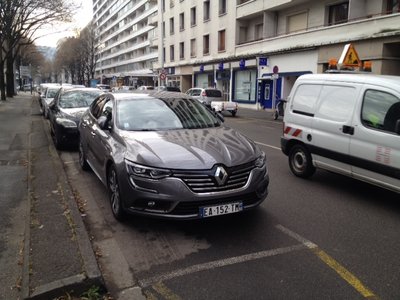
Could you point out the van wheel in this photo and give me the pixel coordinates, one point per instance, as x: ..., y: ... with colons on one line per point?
x: 300, y: 161
x: 233, y: 113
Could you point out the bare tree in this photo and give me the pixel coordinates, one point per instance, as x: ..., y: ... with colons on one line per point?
x: 89, y: 49
x: 21, y: 19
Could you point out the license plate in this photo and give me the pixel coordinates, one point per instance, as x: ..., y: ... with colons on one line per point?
x: 221, y: 209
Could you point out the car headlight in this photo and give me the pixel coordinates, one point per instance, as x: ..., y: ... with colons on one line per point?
x: 146, y: 172
x: 66, y: 123
x: 261, y: 160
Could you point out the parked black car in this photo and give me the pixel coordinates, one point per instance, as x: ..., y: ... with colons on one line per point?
x: 65, y: 111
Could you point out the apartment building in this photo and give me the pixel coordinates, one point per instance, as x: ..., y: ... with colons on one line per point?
x: 254, y: 50
x: 123, y: 35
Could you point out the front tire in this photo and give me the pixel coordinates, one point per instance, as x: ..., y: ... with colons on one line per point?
x: 114, y: 195
x: 300, y: 161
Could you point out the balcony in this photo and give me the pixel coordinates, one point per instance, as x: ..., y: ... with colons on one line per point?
x: 153, y: 19
x: 154, y: 41
x: 382, y: 26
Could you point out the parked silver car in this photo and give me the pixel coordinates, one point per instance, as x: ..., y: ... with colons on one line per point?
x: 170, y: 157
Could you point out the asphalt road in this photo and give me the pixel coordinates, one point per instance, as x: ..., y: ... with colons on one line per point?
x: 329, y: 237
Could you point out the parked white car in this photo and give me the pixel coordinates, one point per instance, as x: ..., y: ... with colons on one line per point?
x: 213, y: 99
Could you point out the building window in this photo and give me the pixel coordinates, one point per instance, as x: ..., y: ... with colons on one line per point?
x: 221, y: 40
x: 297, y: 22
x: 206, y: 44
x: 338, y: 13
x: 206, y: 15
x: 193, y: 16
x: 171, y: 3
x: 163, y: 55
x: 163, y: 5
x: 241, y: 1
x: 181, y: 21
x: 163, y: 29
x: 182, y: 50
x: 393, y: 6
x: 171, y: 53
x: 222, y: 7
x: 193, y: 48
x: 245, y: 85
x: 171, y: 26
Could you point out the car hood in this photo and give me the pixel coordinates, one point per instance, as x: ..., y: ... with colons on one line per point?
x: 73, y: 113
x: 190, y: 149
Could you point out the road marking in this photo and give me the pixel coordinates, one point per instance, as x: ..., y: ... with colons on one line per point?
x: 269, y: 146
x: 332, y: 263
x: 219, y: 263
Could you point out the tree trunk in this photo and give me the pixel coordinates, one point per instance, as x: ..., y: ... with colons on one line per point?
x: 10, y: 75
x: 2, y: 83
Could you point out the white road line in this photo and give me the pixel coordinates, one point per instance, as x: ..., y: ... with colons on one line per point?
x: 218, y: 264
x: 297, y: 237
x: 269, y: 146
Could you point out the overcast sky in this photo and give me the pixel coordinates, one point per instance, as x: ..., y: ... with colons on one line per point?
x: 52, y: 34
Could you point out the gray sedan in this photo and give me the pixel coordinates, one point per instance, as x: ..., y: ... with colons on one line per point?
x: 166, y: 155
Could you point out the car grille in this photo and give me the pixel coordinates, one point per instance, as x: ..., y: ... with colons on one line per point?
x: 192, y: 207
x: 205, y: 181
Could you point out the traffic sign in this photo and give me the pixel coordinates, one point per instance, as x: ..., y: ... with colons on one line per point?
x: 163, y: 76
x: 349, y: 57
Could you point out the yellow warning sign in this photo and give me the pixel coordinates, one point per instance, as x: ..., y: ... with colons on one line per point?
x: 349, y: 57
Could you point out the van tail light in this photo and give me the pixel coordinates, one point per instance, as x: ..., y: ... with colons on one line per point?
x: 203, y: 94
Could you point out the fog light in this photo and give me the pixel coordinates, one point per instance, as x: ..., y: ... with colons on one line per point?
x: 151, y: 203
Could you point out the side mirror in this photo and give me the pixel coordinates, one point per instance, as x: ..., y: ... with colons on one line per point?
x: 397, y: 127
x: 52, y: 105
x: 104, y: 123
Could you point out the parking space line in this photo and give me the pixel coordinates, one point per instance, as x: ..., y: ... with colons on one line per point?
x: 332, y: 263
x: 219, y: 263
x: 269, y: 146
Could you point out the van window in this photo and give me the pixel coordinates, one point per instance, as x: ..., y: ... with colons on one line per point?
x: 337, y: 103
x: 380, y: 110
x: 305, y: 98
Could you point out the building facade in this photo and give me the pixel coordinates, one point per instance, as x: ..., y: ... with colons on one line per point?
x: 254, y: 50
x: 123, y: 34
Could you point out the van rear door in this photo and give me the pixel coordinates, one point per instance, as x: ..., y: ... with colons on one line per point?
x: 375, y: 146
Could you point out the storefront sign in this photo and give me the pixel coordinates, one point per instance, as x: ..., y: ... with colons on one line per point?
x: 263, y: 61
x: 242, y: 64
x: 202, y: 68
x: 221, y: 66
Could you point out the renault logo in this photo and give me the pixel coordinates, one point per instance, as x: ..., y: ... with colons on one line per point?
x: 220, y: 175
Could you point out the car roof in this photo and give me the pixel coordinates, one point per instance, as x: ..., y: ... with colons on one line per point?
x: 362, y: 78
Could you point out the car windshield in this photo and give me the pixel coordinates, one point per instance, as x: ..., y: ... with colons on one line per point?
x: 51, y: 93
x: 163, y: 114
x: 78, y: 99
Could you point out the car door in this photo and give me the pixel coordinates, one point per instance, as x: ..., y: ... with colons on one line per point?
x: 376, y: 144
x: 100, y: 141
x: 332, y: 126
x: 88, y: 126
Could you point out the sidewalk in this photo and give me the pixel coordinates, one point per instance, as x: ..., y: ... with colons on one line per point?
x: 54, y: 251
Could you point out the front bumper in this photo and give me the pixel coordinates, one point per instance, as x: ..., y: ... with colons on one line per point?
x: 171, y: 198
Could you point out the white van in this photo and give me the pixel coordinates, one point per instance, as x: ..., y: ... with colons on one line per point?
x: 345, y: 123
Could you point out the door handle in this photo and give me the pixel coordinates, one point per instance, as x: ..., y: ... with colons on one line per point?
x: 348, y: 129
x: 93, y: 133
